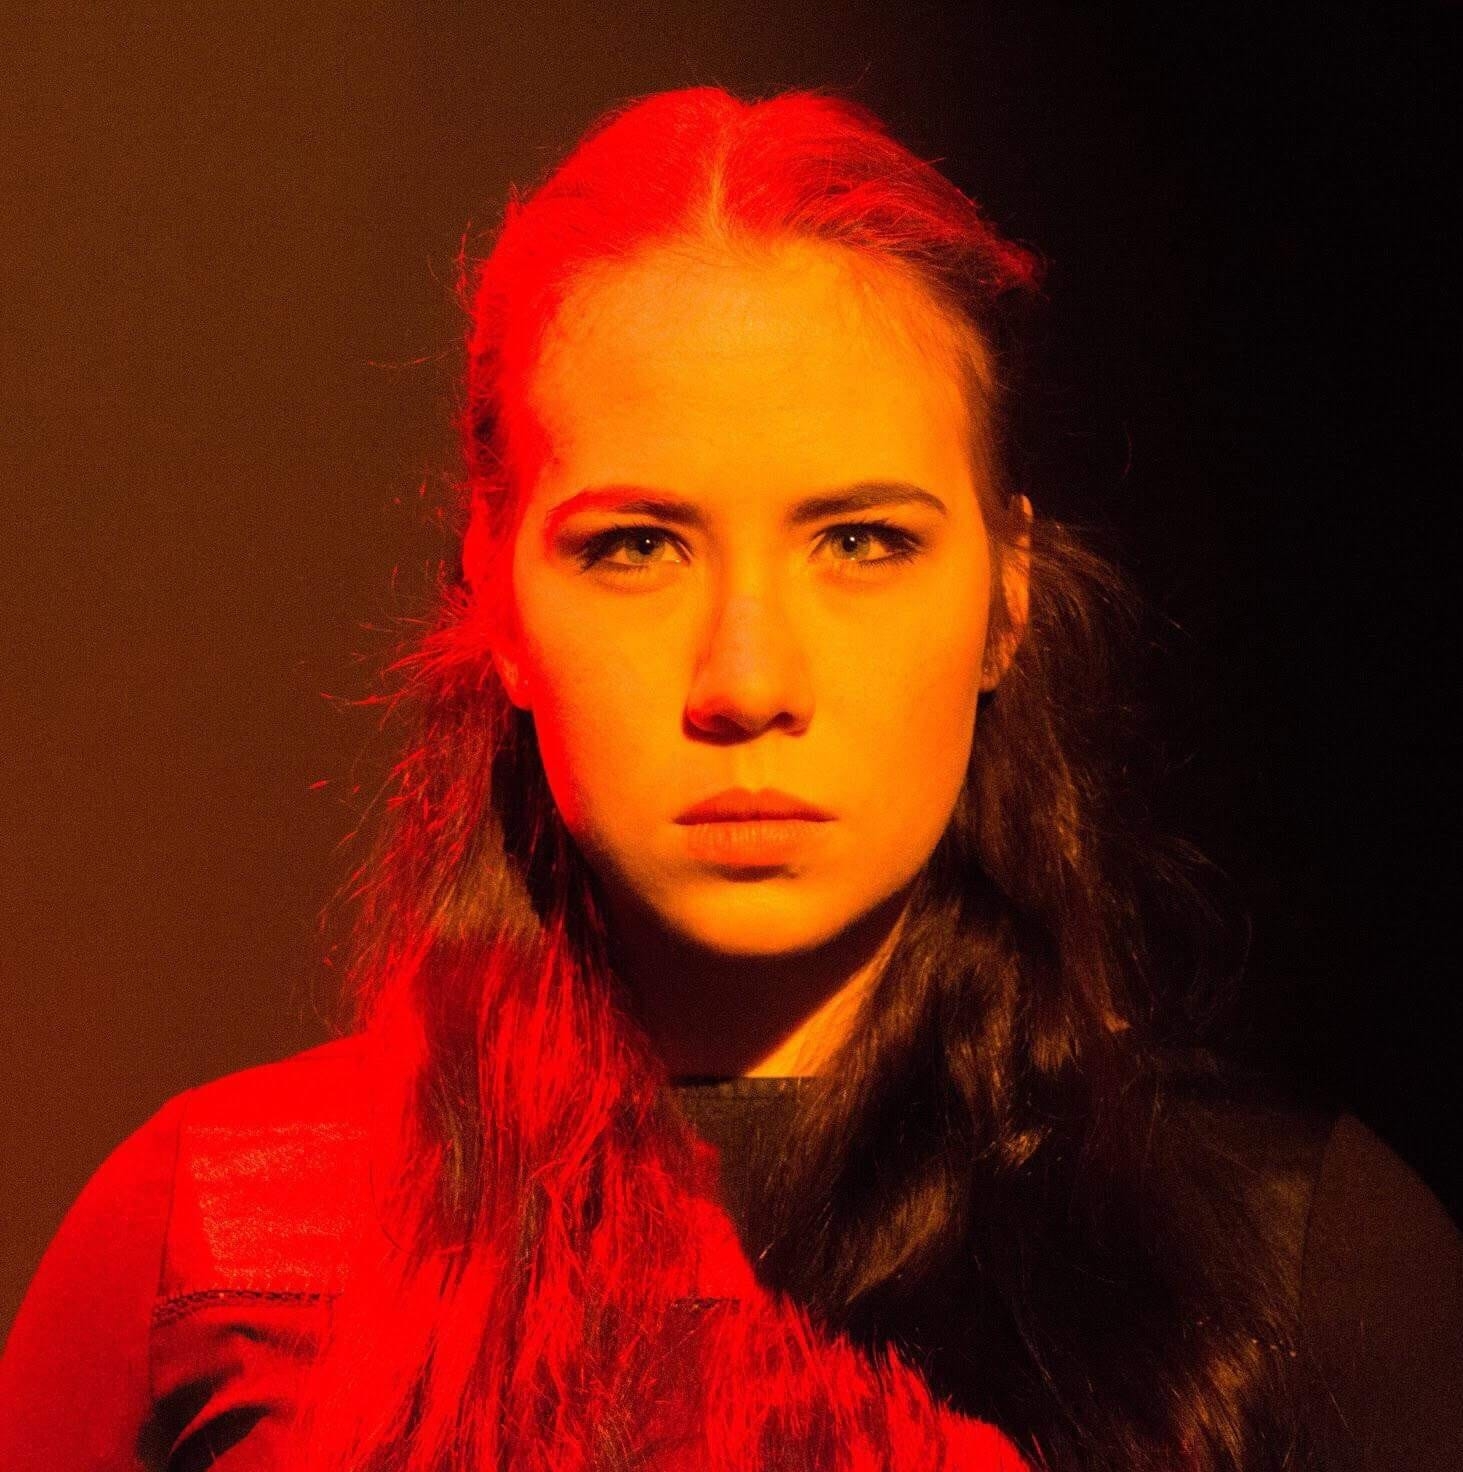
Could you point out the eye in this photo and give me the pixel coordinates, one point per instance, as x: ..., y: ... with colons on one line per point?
x: 904, y: 546
x: 643, y: 539
x: 643, y: 542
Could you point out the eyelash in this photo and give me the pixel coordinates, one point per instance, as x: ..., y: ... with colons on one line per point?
x: 906, y: 545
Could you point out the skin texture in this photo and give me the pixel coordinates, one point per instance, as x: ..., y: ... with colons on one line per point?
x: 750, y: 651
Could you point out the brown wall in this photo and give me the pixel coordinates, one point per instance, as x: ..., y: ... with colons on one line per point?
x: 228, y: 361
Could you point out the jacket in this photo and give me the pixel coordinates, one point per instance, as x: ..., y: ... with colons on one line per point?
x: 188, y: 1289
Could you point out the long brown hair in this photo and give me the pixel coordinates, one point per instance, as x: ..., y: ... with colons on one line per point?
x: 976, y: 1215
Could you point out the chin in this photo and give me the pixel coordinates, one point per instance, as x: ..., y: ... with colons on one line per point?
x: 756, y: 925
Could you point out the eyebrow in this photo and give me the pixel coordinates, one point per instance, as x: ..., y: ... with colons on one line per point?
x: 642, y: 501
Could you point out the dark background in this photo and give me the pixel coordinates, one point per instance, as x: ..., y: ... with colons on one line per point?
x: 231, y: 342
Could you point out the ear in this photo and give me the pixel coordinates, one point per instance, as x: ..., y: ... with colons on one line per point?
x: 508, y: 661
x: 512, y: 677
x: 1016, y: 594
x: 495, y: 620
x: 504, y: 642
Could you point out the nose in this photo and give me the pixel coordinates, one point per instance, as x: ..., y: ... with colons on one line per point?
x: 753, y: 673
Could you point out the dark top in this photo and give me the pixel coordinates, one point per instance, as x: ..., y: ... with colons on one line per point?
x: 1377, y: 1262
x: 175, y: 1312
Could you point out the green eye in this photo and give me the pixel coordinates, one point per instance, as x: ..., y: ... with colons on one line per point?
x: 904, y: 544
x: 645, y: 539
x: 598, y: 547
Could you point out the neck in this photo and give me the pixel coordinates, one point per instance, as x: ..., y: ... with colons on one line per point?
x: 710, y: 1013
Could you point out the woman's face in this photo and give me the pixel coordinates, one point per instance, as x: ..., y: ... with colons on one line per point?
x: 738, y: 634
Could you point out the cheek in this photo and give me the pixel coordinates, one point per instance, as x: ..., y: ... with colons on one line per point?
x: 595, y: 708
x: 925, y: 757
x: 929, y: 671
x: 927, y: 733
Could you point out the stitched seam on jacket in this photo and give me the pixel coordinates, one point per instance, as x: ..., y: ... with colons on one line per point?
x: 175, y: 1308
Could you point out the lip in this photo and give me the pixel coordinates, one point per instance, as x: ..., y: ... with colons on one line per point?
x: 737, y: 804
x: 744, y: 844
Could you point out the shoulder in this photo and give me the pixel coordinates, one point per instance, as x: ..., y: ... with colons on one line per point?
x: 103, y: 1263
x: 1374, y: 1261
x: 1382, y: 1307
x: 1274, y: 1137
x: 322, y: 1085
x: 1338, y: 1179
x: 186, y: 1169
x: 226, y: 1181
x: 271, y: 1173
x: 245, y: 1181
x: 1380, y: 1245
x: 1361, y: 1180
x: 1243, y: 1132
x: 231, y: 1201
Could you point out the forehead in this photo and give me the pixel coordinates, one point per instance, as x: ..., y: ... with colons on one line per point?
x: 763, y: 370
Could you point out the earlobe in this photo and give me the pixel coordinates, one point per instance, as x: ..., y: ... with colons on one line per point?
x: 512, y: 679
x: 503, y: 640
x: 1016, y: 575
x: 506, y: 652
x: 1016, y: 596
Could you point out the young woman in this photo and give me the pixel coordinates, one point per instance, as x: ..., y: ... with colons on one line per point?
x: 757, y: 1057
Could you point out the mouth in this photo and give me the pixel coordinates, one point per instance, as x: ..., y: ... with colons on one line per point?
x: 737, y: 806
x: 752, y: 842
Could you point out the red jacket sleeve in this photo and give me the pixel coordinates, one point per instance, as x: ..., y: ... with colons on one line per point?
x: 75, y: 1388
